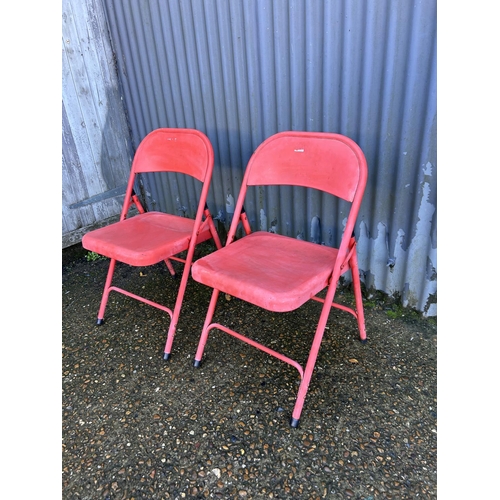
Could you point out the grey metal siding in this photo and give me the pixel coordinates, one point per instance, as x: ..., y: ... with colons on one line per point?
x: 241, y: 71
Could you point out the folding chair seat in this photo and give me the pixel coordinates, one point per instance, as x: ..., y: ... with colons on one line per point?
x: 148, y: 238
x: 279, y: 273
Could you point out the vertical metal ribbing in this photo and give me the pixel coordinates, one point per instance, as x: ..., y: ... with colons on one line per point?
x: 242, y: 71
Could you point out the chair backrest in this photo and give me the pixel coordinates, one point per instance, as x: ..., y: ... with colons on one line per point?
x: 326, y: 161
x: 330, y: 162
x: 185, y: 151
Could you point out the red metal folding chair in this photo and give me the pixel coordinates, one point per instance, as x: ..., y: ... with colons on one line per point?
x: 280, y: 273
x: 151, y: 237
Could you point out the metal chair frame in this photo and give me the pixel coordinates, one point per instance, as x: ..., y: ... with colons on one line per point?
x: 289, y: 272
x: 151, y: 237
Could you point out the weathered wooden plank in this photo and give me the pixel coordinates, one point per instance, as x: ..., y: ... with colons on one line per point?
x: 97, y: 148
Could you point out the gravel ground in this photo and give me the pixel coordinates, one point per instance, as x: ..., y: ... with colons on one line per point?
x: 137, y: 427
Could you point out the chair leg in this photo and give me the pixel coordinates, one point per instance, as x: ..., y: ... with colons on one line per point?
x: 105, y: 295
x: 358, y: 297
x: 313, y: 353
x: 170, y: 267
x: 176, y: 313
x: 204, y: 333
x: 180, y: 295
x: 311, y: 362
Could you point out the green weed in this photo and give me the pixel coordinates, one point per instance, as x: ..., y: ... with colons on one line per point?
x: 92, y: 257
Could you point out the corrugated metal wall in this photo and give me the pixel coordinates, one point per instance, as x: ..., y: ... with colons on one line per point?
x: 242, y: 70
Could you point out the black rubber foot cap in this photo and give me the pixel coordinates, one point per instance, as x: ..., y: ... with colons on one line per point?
x: 197, y: 363
x: 166, y: 355
x: 294, y: 422
x: 99, y: 321
x: 363, y: 341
